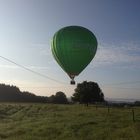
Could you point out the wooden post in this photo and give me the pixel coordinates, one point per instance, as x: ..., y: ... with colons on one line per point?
x: 133, y: 114
x: 96, y: 106
x: 108, y: 109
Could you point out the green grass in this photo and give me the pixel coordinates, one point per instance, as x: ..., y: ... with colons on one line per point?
x: 67, y: 122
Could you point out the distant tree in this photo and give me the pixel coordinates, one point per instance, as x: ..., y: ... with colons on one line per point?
x: 137, y: 103
x: 59, y: 98
x: 88, y: 92
x: 51, y: 99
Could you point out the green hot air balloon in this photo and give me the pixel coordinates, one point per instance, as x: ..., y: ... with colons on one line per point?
x: 73, y: 48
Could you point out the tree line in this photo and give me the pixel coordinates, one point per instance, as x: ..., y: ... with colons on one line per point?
x: 85, y: 93
x: 12, y: 93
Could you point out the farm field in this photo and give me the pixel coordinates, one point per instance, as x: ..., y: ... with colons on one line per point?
x: 29, y: 121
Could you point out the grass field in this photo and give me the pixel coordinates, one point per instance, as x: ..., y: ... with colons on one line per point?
x: 67, y: 122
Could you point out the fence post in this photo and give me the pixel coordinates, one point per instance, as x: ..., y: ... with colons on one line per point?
x: 96, y: 106
x: 108, y: 109
x: 133, y: 114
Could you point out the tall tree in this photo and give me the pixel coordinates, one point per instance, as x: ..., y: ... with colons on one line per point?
x: 88, y: 92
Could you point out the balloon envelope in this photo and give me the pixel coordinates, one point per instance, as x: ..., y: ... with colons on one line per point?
x: 73, y: 47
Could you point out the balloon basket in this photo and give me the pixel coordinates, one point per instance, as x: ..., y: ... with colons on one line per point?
x: 72, y: 82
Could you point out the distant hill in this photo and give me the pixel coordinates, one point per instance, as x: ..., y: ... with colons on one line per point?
x: 10, y: 93
x: 121, y: 100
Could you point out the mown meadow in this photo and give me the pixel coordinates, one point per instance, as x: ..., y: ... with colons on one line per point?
x: 29, y: 121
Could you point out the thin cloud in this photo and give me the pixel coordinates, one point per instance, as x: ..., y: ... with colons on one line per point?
x: 125, y: 54
x: 43, y: 48
x: 39, y: 67
x: 9, y: 66
x: 29, y: 67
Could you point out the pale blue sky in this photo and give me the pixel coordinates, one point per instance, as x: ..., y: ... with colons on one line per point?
x: 26, y: 30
